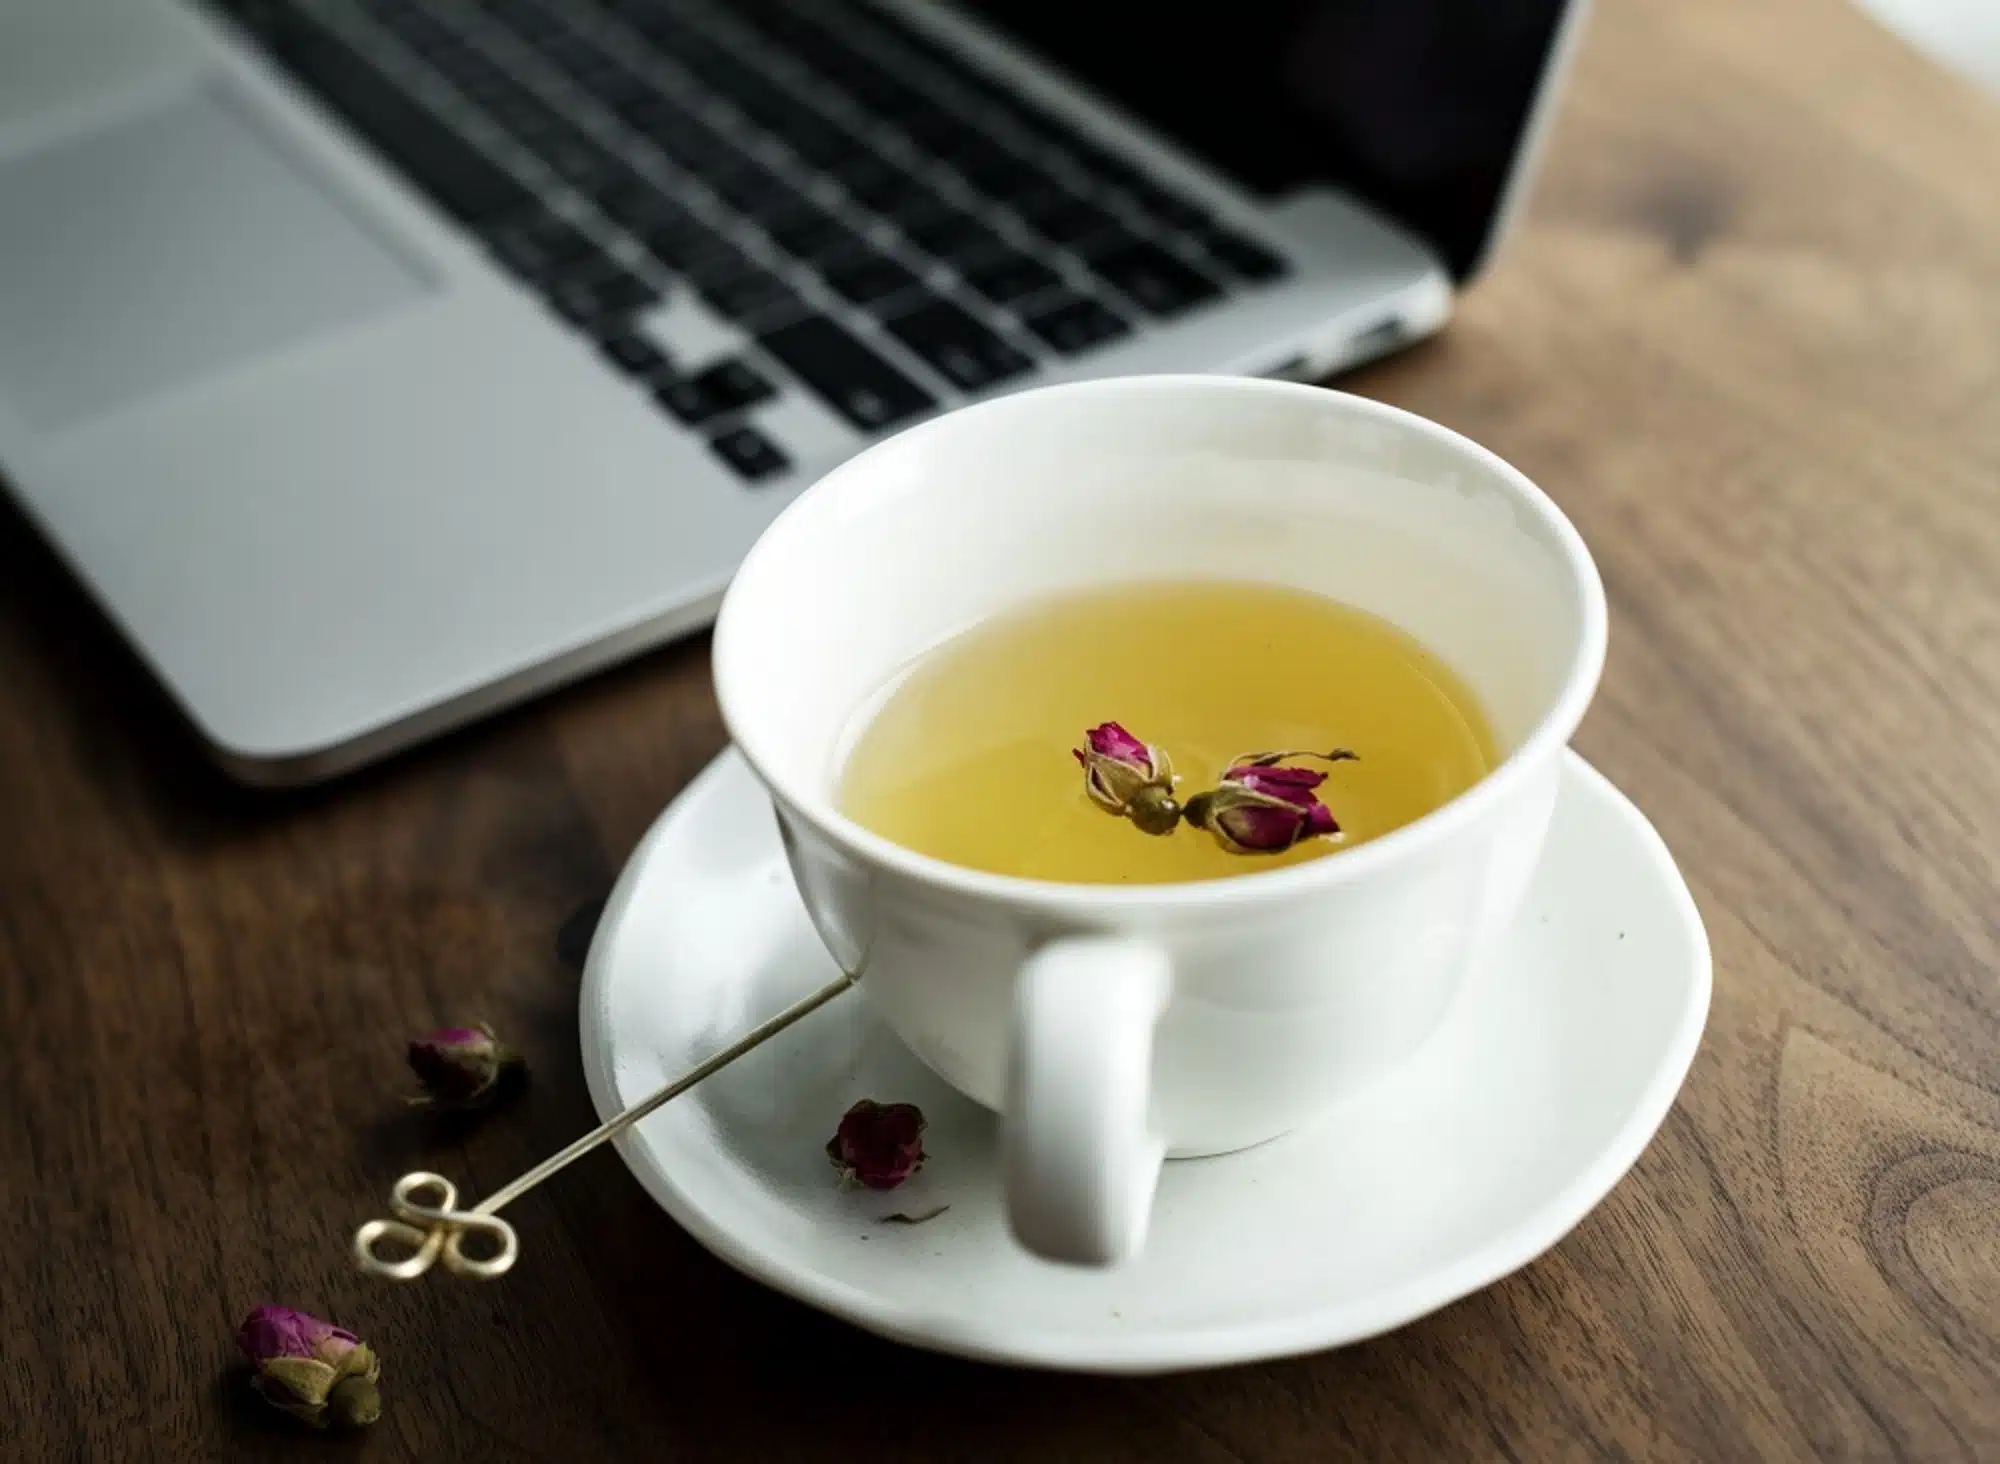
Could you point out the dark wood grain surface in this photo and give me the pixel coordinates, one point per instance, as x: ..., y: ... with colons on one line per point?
x: 1749, y: 337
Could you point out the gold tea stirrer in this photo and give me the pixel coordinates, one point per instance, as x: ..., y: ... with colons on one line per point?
x: 437, y: 1230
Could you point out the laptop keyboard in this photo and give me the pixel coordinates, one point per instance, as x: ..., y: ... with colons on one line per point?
x: 884, y: 224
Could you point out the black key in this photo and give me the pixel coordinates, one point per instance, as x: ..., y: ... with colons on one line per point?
x: 721, y: 72
x: 1064, y: 218
x: 457, y: 61
x: 634, y: 353
x: 600, y: 77
x: 686, y: 400
x: 582, y: 164
x: 736, y: 384
x: 639, y: 107
x: 862, y: 166
x: 937, y: 54
x: 539, y: 246
x: 487, y: 86
x: 996, y: 174
x: 1107, y: 167
x: 753, y: 292
x: 573, y: 54
x: 771, y: 105
x: 822, y: 143
x: 950, y: 234
x: 815, y: 235
x: 696, y: 52
x: 904, y: 38
x: 751, y: 453
x: 528, y: 21
x: 756, y: 191
x: 619, y: 180
x: 594, y: 300
x: 788, y: 28
x: 1011, y: 278
x: 996, y: 95
x: 691, y: 143
x: 920, y: 202
x: 943, y: 135
x: 887, y: 96
x: 529, y: 118
x: 1039, y: 128
x: 1075, y: 323
x: 787, y: 119
x: 466, y: 184
x: 763, y: 103
x: 856, y: 382
x: 639, y: 204
x: 467, y: 67
x: 915, y: 201
x: 1158, y: 282
x: 414, y: 26
x: 1045, y: 197
x: 909, y: 201
x: 961, y: 71
x: 864, y: 280
x: 1113, y: 240
x: 971, y: 149
x: 685, y: 243
x: 654, y: 23
x: 1169, y: 208
x: 724, y: 388
x: 715, y: 265
x: 619, y: 88
x: 1240, y: 256
x: 883, y: 186
x: 961, y: 349
x: 444, y: 51
x: 707, y: 155
x: 876, y: 91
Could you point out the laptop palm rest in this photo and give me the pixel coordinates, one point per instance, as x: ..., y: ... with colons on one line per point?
x: 169, y: 247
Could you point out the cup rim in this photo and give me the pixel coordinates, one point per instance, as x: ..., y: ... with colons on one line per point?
x: 1550, y: 733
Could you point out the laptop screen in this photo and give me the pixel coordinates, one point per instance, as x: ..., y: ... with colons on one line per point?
x: 1417, y: 106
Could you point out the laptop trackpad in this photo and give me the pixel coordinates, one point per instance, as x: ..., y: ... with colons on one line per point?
x: 169, y: 247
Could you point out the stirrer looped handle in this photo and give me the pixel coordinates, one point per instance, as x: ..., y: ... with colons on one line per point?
x: 432, y: 1233
x: 436, y: 1232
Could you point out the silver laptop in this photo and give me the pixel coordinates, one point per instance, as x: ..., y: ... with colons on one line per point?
x: 376, y: 363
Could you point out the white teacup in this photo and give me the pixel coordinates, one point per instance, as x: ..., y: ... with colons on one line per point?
x: 1114, y: 1025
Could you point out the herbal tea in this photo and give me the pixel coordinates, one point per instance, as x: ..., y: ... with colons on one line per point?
x: 1164, y: 732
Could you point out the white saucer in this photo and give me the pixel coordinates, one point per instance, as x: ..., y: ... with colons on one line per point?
x: 1551, y: 1075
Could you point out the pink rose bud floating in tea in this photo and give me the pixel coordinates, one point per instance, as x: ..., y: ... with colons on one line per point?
x: 313, y: 1370
x: 465, y: 1068
x: 1262, y: 808
x: 878, y: 1144
x: 1128, y: 777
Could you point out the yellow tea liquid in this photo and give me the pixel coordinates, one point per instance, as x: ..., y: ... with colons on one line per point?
x: 967, y: 758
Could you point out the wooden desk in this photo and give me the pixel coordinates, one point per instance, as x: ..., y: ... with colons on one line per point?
x: 1750, y: 338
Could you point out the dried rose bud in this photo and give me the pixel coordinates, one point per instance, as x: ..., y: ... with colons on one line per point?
x: 878, y: 1144
x: 1127, y: 777
x: 1260, y: 808
x: 315, y: 1371
x: 465, y: 1067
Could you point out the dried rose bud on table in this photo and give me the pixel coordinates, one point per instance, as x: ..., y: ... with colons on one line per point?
x: 465, y: 1068
x: 313, y: 1370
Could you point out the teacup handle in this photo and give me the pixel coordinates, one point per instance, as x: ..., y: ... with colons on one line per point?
x: 1079, y: 1159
